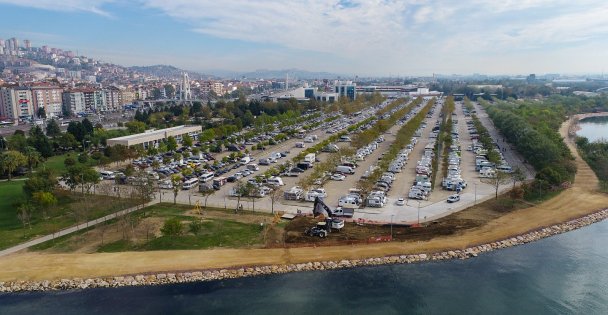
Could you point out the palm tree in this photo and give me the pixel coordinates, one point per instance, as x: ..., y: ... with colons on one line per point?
x: 10, y: 161
x: 32, y: 157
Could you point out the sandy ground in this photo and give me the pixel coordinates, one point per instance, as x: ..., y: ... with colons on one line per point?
x: 582, y: 198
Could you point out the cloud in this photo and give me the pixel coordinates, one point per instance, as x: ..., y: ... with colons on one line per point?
x: 375, y: 36
x: 92, y: 6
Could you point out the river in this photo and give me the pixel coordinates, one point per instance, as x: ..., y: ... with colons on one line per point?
x: 564, y: 274
x: 594, y: 128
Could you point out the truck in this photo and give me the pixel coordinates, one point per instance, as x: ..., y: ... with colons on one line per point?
x: 310, y: 158
x: 344, y: 212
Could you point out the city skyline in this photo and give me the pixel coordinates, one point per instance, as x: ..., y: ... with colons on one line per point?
x: 377, y: 38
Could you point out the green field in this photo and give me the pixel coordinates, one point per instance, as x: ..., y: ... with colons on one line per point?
x: 57, y: 162
x: 10, y: 194
x: 214, y: 233
x: 12, y: 231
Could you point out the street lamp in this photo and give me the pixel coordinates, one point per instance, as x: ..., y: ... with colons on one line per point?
x: 418, y: 212
x: 475, y: 193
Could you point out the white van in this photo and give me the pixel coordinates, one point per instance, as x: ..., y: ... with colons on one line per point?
x: 345, y: 169
x: 245, y: 159
x: 349, y: 202
x: 206, y: 177
x: 275, y: 181
x: 189, y: 184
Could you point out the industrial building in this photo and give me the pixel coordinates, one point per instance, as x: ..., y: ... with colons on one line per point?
x: 153, y: 137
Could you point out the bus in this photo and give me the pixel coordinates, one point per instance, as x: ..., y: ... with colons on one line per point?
x: 189, y: 184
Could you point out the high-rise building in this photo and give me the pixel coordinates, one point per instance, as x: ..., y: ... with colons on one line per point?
x: 48, y: 97
x: 113, y: 100
x: 27, y: 44
x: 184, y: 88
x: 127, y: 96
x: 346, y: 88
x: 16, y: 103
x: 73, y: 102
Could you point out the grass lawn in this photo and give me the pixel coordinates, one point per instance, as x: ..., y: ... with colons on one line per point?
x: 56, y: 162
x: 10, y: 194
x: 12, y: 231
x: 214, y: 233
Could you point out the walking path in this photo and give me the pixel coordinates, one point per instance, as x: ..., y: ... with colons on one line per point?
x: 71, y: 230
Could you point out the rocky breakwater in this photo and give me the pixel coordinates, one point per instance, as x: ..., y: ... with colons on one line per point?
x: 221, y: 274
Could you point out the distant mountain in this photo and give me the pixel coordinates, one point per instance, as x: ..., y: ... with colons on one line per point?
x: 168, y: 72
x: 276, y: 74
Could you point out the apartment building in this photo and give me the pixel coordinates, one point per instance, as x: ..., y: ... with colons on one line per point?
x: 16, y: 103
x: 48, y: 97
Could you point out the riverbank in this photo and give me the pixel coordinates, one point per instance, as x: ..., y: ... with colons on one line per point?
x: 577, y: 206
x: 210, y: 275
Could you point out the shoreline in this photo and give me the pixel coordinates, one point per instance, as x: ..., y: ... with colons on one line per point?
x: 204, y: 275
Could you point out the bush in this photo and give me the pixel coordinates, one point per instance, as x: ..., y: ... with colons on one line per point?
x: 83, y: 158
x: 172, y: 227
x: 69, y: 161
x: 195, y: 227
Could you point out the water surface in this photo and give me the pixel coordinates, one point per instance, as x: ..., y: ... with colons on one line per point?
x: 564, y: 274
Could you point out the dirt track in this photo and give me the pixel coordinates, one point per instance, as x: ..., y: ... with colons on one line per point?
x: 577, y: 201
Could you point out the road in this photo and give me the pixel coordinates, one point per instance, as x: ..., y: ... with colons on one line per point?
x: 511, y: 155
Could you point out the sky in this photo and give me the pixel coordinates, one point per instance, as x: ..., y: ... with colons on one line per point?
x: 351, y: 37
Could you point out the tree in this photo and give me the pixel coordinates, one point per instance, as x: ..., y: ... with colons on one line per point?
x: 69, y: 161
x: 44, y: 201
x: 77, y: 130
x: 176, y: 181
x: 171, y: 143
x: 32, y: 157
x: 144, y: 188
x: 136, y: 126
x: 40, y: 142
x: 83, y: 157
x: 207, y: 192
x: 87, y: 126
x: 41, y: 113
x: 52, y: 128
x: 500, y: 178
x: 44, y: 180
x: 187, y: 140
x: 17, y: 142
x: 172, y: 227
x: 517, y: 176
x: 66, y: 140
x: 275, y: 196
x: 10, y: 161
x: 24, y: 214
x: 241, y: 190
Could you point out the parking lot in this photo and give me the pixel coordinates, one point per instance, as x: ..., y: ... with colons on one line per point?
x: 411, y: 212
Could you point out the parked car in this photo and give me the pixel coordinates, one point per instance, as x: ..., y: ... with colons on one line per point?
x: 453, y: 198
x: 338, y: 176
x: 400, y: 202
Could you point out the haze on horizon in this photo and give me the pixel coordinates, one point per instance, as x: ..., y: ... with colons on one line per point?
x: 375, y: 37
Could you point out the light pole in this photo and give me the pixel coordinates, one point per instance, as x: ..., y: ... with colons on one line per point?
x: 418, y: 212
x: 475, y: 194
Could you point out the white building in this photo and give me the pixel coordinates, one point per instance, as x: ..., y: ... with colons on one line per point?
x: 16, y: 103
x: 73, y: 102
x: 153, y: 137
